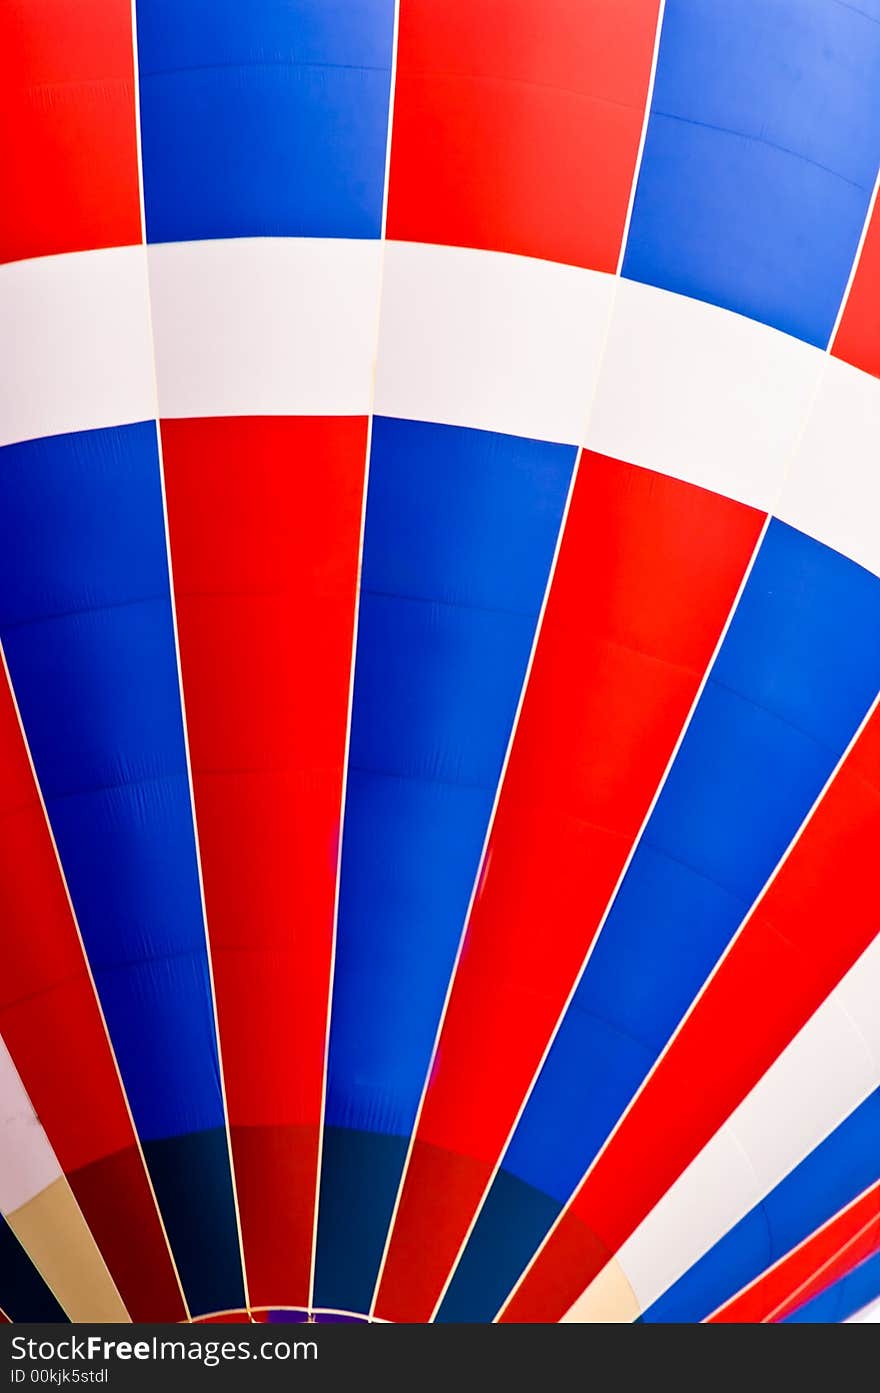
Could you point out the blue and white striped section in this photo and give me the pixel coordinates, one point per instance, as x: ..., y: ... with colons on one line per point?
x: 760, y: 157
x: 829, y: 1178
x: 461, y: 529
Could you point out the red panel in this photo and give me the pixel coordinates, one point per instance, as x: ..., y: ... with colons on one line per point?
x: 52, y: 1026
x: 264, y: 518
x: 68, y: 148
x: 518, y: 129
x: 858, y: 338
x: 816, y: 919
x: 117, y: 1203
x: 647, y: 573
x: 276, y: 1166
x: 836, y: 1249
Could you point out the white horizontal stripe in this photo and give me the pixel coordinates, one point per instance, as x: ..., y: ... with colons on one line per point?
x: 834, y: 490
x: 820, y: 1078
x: 290, y: 326
x: 701, y: 394
x: 27, y: 1162
x: 265, y: 326
x: 491, y: 341
x: 75, y: 349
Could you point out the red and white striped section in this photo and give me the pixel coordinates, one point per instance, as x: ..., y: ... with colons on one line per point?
x: 827, y: 1070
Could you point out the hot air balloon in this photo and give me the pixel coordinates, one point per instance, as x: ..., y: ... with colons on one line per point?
x: 440, y: 626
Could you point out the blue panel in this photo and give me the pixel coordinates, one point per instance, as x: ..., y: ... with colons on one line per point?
x: 798, y: 670
x: 827, y: 1180
x: 845, y: 1298
x: 86, y: 623
x: 24, y: 1295
x: 760, y: 157
x: 264, y: 119
x: 461, y: 528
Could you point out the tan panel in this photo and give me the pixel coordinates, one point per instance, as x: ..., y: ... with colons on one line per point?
x: 56, y: 1238
x: 609, y: 1299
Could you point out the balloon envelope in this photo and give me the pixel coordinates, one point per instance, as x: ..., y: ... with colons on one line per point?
x: 440, y: 617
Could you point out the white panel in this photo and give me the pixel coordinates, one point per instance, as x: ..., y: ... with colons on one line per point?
x: 491, y: 341
x: 27, y: 1161
x: 804, y: 1096
x: 717, y: 1188
x: 829, y: 1068
x: 701, y: 394
x: 265, y: 326
x: 75, y: 351
x: 834, y: 489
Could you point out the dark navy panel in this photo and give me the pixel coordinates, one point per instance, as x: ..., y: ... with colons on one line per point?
x: 203, y: 1230
x: 841, y: 1167
x: 360, y: 1174
x: 511, y: 1225
x: 87, y: 627
x: 760, y: 157
x: 798, y: 669
x: 844, y: 1298
x: 24, y: 1295
x: 460, y: 532
x: 264, y: 119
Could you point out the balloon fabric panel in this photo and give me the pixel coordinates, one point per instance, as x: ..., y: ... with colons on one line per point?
x: 266, y: 119
x: 67, y: 127
x: 756, y: 135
